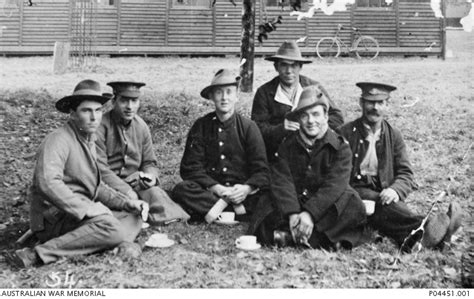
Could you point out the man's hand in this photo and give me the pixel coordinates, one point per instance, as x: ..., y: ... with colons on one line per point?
x: 388, y: 195
x: 220, y: 190
x: 133, y: 180
x: 135, y: 206
x: 291, y: 125
x: 239, y: 193
x: 306, y: 225
x: 294, y: 222
x: 147, y: 180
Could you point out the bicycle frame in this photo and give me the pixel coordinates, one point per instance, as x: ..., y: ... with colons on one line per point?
x: 341, y: 42
x: 363, y: 45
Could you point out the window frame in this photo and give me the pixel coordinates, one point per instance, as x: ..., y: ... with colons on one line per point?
x: 389, y: 7
x: 175, y: 5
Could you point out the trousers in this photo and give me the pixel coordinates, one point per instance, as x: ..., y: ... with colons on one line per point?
x: 394, y: 220
x: 197, y: 201
x: 345, y: 227
x: 68, y: 237
x: 162, y: 208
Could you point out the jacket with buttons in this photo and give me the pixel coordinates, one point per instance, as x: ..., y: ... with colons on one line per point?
x: 230, y: 152
x: 270, y: 114
x: 311, y: 180
x: 394, y: 168
x: 124, y: 150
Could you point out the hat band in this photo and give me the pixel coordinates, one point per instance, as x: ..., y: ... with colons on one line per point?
x: 86, y: 92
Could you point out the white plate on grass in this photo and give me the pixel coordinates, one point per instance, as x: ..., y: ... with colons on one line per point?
x: 223, y: 222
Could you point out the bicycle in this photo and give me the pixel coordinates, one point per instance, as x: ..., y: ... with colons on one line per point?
x: 364, y: 46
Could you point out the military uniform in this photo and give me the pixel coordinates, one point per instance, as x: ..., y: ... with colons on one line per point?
x: 394, y: 171
x: 228, y: 153
x: 126, y: 149
x: 269, y: 114
x: 313, y: 179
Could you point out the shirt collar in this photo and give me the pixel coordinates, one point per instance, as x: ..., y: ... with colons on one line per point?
x: 226, y: 123
x: 281, y: 96
x: 330, y: 137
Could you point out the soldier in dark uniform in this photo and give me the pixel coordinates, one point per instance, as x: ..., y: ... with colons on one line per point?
x: 311, y: 199
x: 224, y: 158
x: 382, y: 172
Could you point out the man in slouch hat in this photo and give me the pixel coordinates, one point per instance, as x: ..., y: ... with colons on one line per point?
x: 381, y: 172
x: 224, y: 165
x: 276, y: 98
x: 311, y: 200
x: 127, y: 157
x: 72, y: 211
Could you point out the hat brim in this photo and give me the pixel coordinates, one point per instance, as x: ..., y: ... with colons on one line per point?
x: 129, y: 94
x: 64, y: 104
x: 283, y: 57
x: 295, y: 114
x: 118, y: 83
x: 205, y: 92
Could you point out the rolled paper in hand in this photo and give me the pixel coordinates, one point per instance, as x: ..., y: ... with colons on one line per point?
x: 144, y: 213
x: 239, y: 209
x: 216, y: 210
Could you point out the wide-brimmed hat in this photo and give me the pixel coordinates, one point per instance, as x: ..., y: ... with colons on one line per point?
x: 310, y: 97
x: 85, y: 90
x: 289, y: 51
x: 375, y: 91
x: 127, y: 89
x: 223, y: 77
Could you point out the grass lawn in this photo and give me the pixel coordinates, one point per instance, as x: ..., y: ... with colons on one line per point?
x: 433, y: 106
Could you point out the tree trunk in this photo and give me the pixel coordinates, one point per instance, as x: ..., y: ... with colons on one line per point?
x: 247, y: 45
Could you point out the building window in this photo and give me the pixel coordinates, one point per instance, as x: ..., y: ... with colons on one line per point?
x: 272, y: 3
x: 374, y: 3
x: 107, y: 2
x: 191, y: 3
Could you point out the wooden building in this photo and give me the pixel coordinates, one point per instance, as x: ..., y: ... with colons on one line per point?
x: 195, y: 27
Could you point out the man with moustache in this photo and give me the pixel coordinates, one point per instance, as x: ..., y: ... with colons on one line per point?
x: 276, y: 98
x: 311, y: 199
x: 128, y: 162
x: 72, y: 211
x: 224, y: 165
x: 381, y: 172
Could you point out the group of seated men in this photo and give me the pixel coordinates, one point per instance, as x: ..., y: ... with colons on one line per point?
x: 295, y: 172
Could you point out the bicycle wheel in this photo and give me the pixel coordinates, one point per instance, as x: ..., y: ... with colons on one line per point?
x: 328, y: 47
x: 366, y: 47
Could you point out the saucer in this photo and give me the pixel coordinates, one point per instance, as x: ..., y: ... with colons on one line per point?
x: 254, y: 247
x: 161, y: 243
x: 159, y: 240
x: 222, y: 222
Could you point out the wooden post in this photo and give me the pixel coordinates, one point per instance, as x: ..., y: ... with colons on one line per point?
x: 247, y: 45
x: 443, y: 30
x: 60, y: 57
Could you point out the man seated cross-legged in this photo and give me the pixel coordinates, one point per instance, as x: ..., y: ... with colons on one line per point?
x: 224, y: 165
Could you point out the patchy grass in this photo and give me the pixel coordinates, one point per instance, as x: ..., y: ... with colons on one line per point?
x: 438, y: 129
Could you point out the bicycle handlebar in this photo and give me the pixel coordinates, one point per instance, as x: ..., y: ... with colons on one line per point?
x: 340, y: 27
